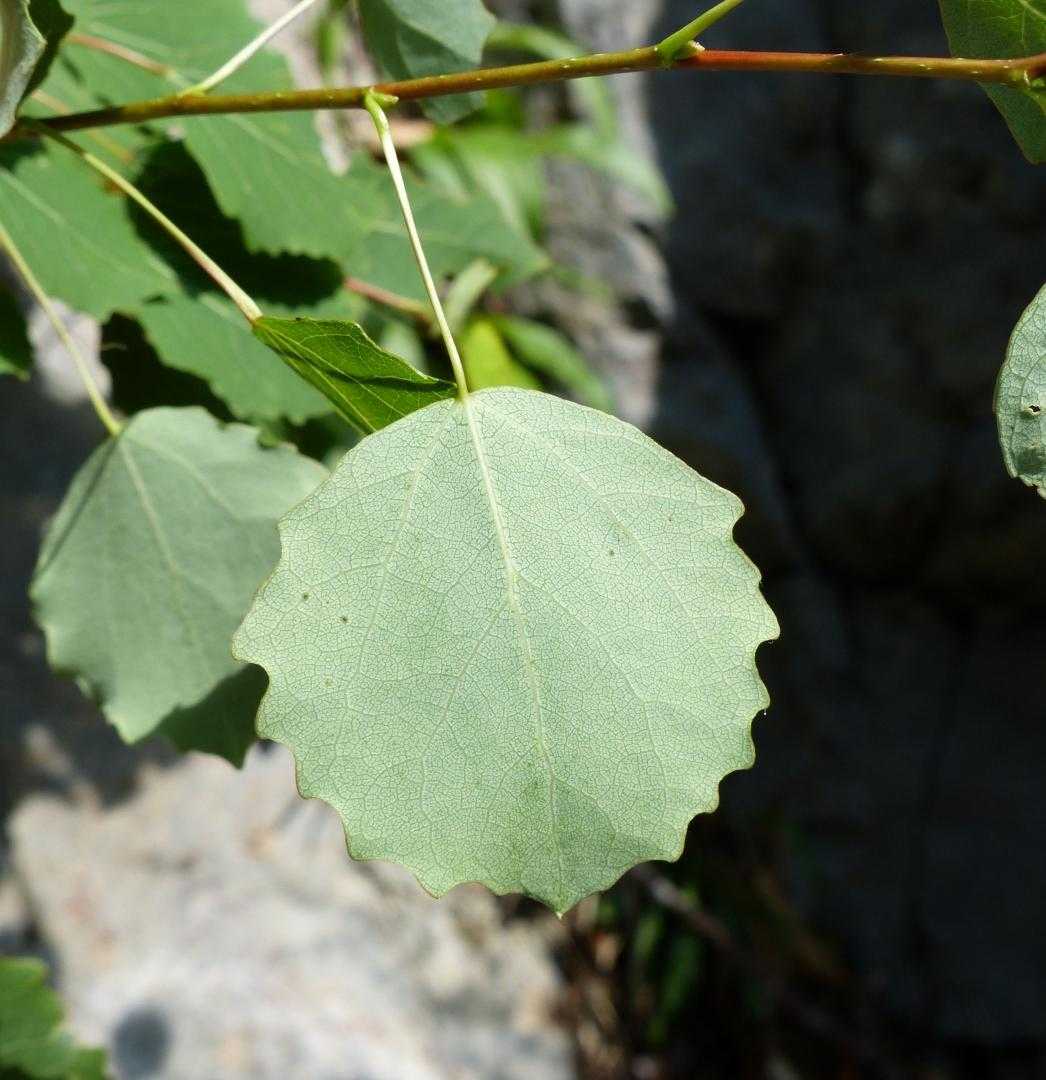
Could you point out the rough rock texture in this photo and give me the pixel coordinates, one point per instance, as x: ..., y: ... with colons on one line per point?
x: 218, y: 929
x: 849, y: 260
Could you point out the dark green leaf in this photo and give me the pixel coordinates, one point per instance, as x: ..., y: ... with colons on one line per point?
x: 368, y: 386
x: 53, y: 23
x: 999, y: 29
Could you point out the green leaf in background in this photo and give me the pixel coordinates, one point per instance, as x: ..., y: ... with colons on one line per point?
x: 1001, y: 29
x: 153, y: 558
x: 1020, y: 398
x: 21, y: 47
x: 488, y: 362
x: 414, y: 38
x: 455, y: 232
x: 16, y: 353
x: 32, y: 1043
x: 207, y: 336
x: 266, y: 169
x: 77, y: 236
x: 551, y: 353
x: 512, y: 641
x: 53, y: 23
x: 368, y: 386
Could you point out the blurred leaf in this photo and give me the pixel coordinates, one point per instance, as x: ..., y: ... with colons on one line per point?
x: 1020, y: 398
x: 16, y: 353
x: 613, y: 157
x: 32, y: 1043
x: 402, y: 339
x: 368, y: 386
x: 151, y: 561
x: 414, y: 38
x: 592, y: 95
x: 488, y: 362
x: 557, y: 606
x: 999, y: 29
x: 551, y: 353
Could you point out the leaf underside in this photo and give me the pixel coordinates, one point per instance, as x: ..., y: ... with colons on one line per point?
x: 512, y: 641
x: 1001, y: 29
x: 1020, y: 398
x: 151, y: 562
x: 367, y: 385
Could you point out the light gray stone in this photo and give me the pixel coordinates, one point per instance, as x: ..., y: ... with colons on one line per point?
x: 213, y: 926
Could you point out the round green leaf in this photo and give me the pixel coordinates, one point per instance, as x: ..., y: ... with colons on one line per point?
x: 512, y: 641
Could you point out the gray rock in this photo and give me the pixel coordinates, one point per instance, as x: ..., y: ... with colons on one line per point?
x: 213, y: 926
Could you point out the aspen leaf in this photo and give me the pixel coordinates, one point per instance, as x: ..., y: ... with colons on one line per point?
x: 512, y: 640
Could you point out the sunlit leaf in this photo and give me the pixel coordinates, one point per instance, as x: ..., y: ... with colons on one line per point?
x: 511, y: 640
x: 487, y: 360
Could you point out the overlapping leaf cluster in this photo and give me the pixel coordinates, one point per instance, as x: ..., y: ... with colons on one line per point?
x: 510, y: 639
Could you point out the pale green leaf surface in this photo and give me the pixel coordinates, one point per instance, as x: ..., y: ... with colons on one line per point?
x: 1020, y: 398
x: 488, y: 362
x: 512, y: 641
x: 414, y: 38
x: 77, y: 237
x: 368, y: 386
x: 1001, y: 29
x: 21, y: 48
x: 153, y: 558
x: 16, y: 353
x: 551, y: 353
x: 32, y: 1042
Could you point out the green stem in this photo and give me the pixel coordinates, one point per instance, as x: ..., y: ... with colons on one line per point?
x: 680, y: 44
x: 247, y: 306
x: 374, y: 103
x: 94, y: 393
x: 1017, y: 73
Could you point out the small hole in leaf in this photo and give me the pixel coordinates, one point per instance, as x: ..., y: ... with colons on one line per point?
x: 305, y: 596
x: 344, y: 618
x: 1035, y: 409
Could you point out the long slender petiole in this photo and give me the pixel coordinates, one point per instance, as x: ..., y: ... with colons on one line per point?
x: 112, y: 425
x: 679, y: 44
x: 247, y: 306
x: 375, y: 104
x: 245, y: 54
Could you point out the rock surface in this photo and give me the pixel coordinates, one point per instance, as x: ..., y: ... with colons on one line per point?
x: 212, y: 926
